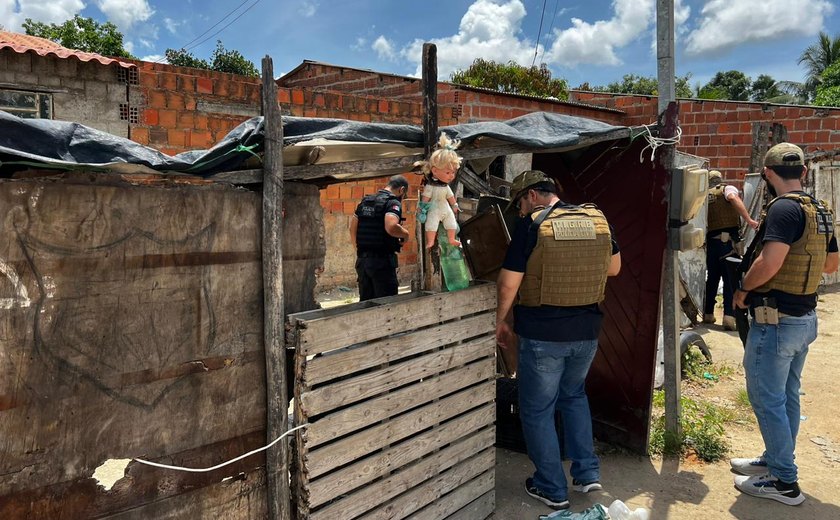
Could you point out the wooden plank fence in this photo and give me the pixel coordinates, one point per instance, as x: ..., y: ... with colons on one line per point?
x: 399, y: 397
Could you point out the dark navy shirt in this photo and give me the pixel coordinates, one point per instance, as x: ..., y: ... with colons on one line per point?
x: 550, y: 322
x: 785, y: 223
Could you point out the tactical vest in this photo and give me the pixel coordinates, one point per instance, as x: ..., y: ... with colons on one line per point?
x: 370, y: 233
x: 722, y: 214
x: 802, y: 269
x: 568, y: 265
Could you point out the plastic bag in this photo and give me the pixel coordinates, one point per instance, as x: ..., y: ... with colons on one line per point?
x: 596, y: 512
x: 618, y: 510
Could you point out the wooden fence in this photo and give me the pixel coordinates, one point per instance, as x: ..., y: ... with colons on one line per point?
x: 398, y: 394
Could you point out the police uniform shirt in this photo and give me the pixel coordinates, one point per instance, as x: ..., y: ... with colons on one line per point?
x: 786, y: 223
x: 548, y: 322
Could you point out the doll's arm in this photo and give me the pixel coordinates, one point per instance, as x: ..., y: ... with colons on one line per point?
x: 453, y: 204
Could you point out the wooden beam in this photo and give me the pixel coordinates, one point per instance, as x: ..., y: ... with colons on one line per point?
x: 473, y: 182
x: 276, y: 459
x: 429, y: 259
x: 394, y: 165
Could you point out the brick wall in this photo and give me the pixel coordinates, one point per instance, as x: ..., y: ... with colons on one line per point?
x: 458, y: 103
x: 722, y: 131
x: 85, y: 92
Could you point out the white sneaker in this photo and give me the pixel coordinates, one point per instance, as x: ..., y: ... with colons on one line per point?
x: 729, y: 323
x: 754, y: 466
x: 767, y: 486
x: 586, y: 488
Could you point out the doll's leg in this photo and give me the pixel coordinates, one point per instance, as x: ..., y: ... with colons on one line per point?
x: 450, y: 234
x: 430, y: 239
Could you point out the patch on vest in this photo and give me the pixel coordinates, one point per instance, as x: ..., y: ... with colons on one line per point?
x: 573, y: 229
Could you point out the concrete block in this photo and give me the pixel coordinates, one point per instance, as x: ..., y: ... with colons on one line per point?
x: 67, y: 68
x: 7, y: 76
x: 19, y: 62
x: 95, y: 90
x: 26, y: 78
x: 73, y: 83
x: 116, y: 93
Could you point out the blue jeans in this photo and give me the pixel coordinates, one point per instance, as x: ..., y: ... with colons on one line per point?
x: 773, y: 360
x: 551, y: 377
x: 716, y: 253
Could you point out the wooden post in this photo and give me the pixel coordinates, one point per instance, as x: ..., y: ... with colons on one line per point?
x: 670, y: 308
x: 276, y: 459
x: 430, y: 275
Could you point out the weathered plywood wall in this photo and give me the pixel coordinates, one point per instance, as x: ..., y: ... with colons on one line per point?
x: 398, y: 394
x: 131, y: 326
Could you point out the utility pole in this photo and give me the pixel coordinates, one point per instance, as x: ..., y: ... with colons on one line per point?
x: 668, y: 123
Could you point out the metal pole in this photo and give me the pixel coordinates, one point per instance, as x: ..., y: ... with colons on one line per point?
x: 668, y: 112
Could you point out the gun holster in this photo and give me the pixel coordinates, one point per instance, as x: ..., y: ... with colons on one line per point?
x: 767, y: 313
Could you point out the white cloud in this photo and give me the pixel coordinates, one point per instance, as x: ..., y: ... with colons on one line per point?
x: 727, y: 23
x: 13, y: 13
x: 488, y: 29
x: 360, y: 45
x: 308, y: 8
x: 384, y: 48
x: 171, y: 25
x: 157, y: 58
x: 596, y: 43
x: 125, y: 13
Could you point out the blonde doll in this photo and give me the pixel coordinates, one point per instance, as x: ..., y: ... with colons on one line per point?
x: 437, y: 202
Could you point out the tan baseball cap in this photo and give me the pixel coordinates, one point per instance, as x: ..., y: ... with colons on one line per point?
x: 525, y: 181
x: 714, y: 174
x: 784, y: 154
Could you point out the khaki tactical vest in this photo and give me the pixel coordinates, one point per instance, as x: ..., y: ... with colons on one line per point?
x: 722, y: 214
x: 802, y: 269
x: 568, y: 266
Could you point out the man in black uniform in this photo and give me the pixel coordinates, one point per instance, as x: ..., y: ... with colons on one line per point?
x: 795, y: 245
x: 377, y: 234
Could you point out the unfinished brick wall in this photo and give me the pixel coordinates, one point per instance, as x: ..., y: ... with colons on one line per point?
x: 461, y: 104
x: 182, y: 108
x: 722, y: 131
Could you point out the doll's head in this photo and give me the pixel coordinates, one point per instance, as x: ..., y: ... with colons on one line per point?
x: 444, y: 161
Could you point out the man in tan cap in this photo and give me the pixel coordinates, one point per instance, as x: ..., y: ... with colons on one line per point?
x: 558, y: 262
x: 795, y: 245
x: 722, y: 233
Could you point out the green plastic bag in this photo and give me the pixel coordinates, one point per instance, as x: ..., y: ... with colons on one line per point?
x: 596, y: 512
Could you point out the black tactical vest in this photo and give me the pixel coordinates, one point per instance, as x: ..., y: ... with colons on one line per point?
x: 370, y: 234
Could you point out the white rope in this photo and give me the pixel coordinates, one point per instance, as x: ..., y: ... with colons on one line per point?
x: 656, y: 142
x: 217, y: 466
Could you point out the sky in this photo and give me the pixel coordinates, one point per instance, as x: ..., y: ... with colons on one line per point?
x: 594, y: 41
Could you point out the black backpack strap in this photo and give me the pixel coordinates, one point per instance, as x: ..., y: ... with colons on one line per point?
x: 533, y: 229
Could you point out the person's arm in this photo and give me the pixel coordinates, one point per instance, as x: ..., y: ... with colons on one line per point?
x: 832, y: 262
x: 615, y: 265
x: 507, y: 286
x: 736, y: 202
x: 393, y: 226
x: 762, y: 270
x: 354, y: 228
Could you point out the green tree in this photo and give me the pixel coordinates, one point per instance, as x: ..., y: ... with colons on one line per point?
x: 828, y: 91
x: 512, y: 78
x: 765, y: 88
x: 222, y: 60
x: 817, y: 58
x: 733, y: 84
x: 184, y: 58
x: 81, y: 34
x: 645, y: 86
x: 709, y: 92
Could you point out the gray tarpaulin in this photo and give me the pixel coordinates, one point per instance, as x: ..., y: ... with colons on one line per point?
x: 39, y: 143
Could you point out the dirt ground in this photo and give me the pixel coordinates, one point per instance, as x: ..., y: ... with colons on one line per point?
x: 692, y: 490
x: 676, y: 489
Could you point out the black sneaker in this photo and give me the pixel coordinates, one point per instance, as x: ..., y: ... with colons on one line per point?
x: 537, y: 493
x: 586, y: 487
x: 768, y: 486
